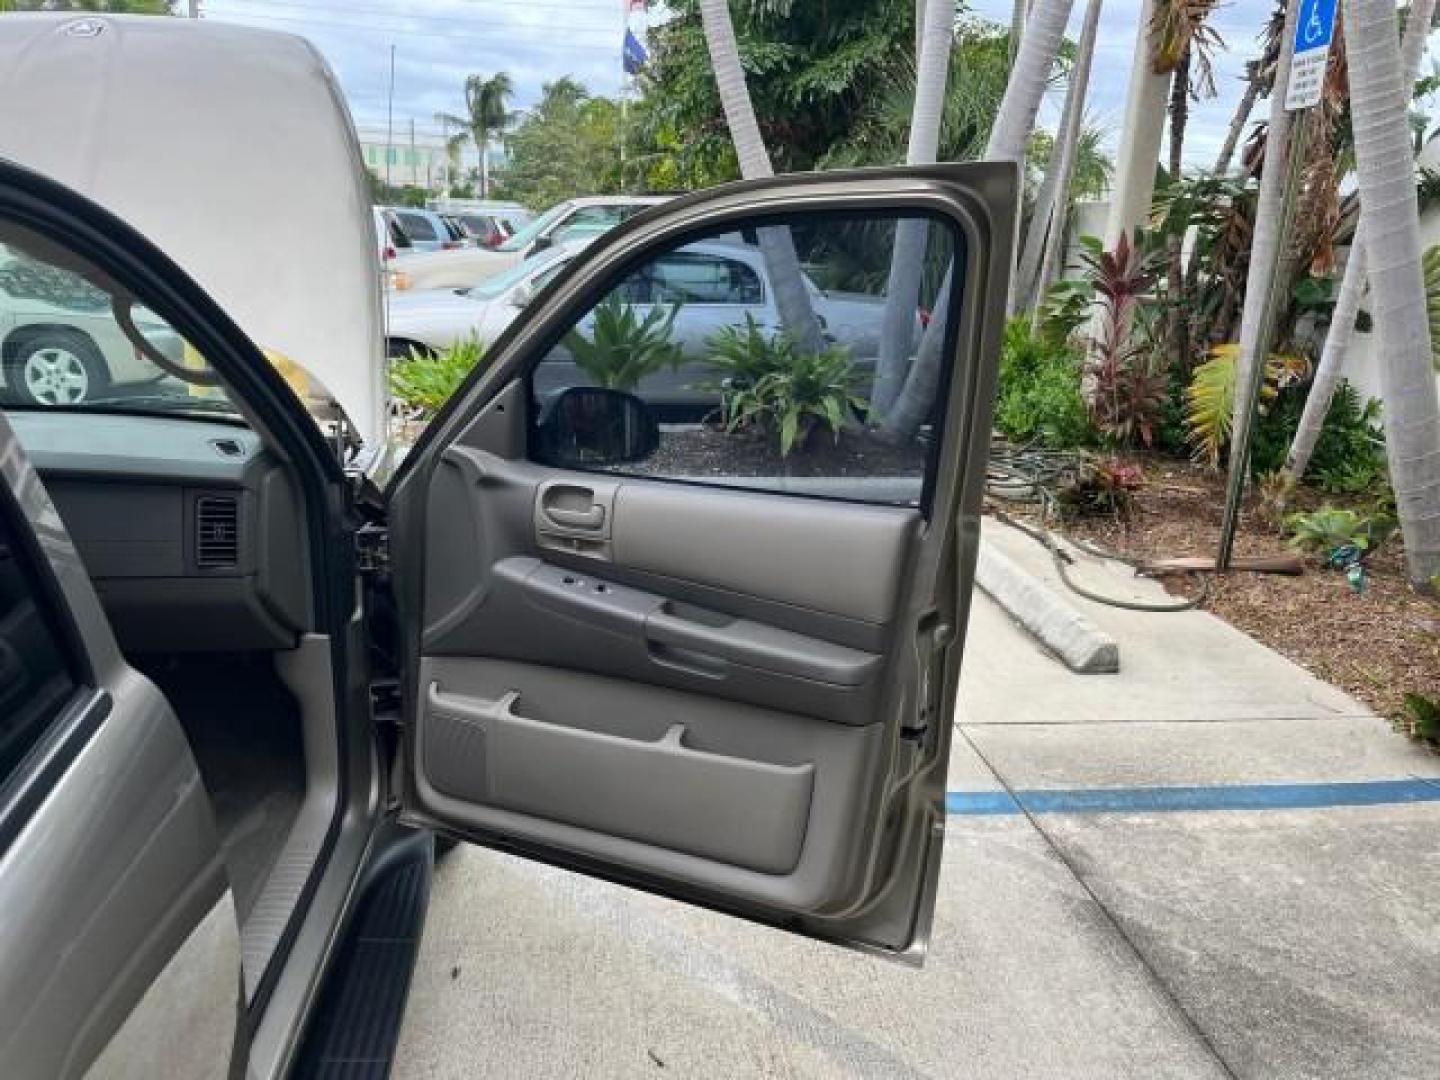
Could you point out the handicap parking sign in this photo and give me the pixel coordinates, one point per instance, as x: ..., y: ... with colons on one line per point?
x: 1314, y: 29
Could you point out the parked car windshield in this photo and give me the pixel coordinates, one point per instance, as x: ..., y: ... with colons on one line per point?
x: 71, y: 344
x: 522, y: 239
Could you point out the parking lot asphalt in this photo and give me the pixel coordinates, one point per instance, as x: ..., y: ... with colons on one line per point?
x: 1135, y: 885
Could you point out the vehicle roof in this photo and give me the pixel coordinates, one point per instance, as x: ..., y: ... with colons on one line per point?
x: 175, y: 125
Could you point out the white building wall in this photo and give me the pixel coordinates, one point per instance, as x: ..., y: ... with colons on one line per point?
x: 1362, y: 365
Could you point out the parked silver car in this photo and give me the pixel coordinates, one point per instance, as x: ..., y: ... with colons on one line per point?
x: 244, y: 680
x: 63, y: 343
x: 712, y: 286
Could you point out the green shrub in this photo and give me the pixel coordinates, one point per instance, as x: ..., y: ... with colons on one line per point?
x: 1323, y: 531
x: 1421, y: 718
x: 1039, y: 396
x: 1065, y: 308
x: 743, y: 357
x: 425, y: 382
x: 624, y: 348
x: 1349, y: 456
x: 769, y: 385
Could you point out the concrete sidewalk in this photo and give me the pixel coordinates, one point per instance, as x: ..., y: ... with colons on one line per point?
x: 1268, y: 943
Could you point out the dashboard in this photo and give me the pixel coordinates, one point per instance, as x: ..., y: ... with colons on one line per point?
x: 190, y: 529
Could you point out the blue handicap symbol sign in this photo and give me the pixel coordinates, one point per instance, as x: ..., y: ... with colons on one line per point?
x: 1315, y: 25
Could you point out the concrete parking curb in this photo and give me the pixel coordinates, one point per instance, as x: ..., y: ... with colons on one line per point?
x: 1080, y: 644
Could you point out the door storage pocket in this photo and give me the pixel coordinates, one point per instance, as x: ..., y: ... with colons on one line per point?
x: 733, y: 810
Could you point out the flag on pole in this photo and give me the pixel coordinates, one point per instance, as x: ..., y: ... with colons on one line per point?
x: 634, y: 54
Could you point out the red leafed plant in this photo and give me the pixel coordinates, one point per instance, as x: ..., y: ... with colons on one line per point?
x: 1127, y: 396
x: 1099, y: 486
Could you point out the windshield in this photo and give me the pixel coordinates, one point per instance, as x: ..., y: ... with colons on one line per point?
x: 71, y: 343
x: 522, y: 239
x: 545, y: 264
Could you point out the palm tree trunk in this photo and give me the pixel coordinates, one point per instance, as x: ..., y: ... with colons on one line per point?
x: 1029, y: 79
x: 484, y: 168
x: 1053, y: 200
x: 1352, y: 284
x: 1139, y: 137
x: 1237, y: 125
x: 907, y: 262
x: 1018, y: 10
x: 1385, y: 171
x: 1013, y: 123
x: 1070, y: 126
x: 1265, y: 246
x: 792, y: 296
x: 1179, y: 318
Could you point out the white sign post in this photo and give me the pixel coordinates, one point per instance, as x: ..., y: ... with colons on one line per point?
x: 1314, y: 29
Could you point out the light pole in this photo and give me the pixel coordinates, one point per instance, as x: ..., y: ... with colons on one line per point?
x: 390, y: 119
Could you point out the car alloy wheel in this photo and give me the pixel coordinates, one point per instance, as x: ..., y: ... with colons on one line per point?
x: 55, y: 375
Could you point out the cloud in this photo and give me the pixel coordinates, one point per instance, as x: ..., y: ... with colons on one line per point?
x: 439, y: 42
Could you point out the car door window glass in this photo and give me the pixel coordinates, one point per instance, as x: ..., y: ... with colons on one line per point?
x: 69, y: 341
x: 769, y: 357
x: 417, y: 226
x: 706, y: 279
x: 37, y: 676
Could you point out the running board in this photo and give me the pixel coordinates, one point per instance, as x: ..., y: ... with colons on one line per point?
x: 357, y: 1025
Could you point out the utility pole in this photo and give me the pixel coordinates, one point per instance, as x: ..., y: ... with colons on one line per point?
x: 390, y: 119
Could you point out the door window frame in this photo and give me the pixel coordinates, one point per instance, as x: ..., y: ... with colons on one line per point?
x: 927, y: 192
x: 70, y: 727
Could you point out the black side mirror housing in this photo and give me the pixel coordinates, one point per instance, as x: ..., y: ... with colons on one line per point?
x: 589, y: 427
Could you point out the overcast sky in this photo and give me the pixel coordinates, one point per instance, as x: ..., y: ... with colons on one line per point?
x: 438, y: 42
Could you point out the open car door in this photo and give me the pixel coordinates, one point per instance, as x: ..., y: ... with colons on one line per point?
x: 716, y: 657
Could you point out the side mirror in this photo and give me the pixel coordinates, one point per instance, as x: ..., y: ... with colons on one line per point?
x: 591, y: 427
x: 542, y: 243
x: 521, y: 296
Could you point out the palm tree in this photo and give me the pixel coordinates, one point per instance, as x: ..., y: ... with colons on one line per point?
x: 486, y: 102
x: 1141, y: 134
x: 1352, y: 283
x: 1011, y: 130
x: 1028, y: 81
x: 776, y: 244
x: 1183, y: 45
x: 1053, y: 200
x: 1383, y: 155
x: 1265, y: 253
x: 907, y: 261
x: 1259, y: 78
x: 1019, y: 11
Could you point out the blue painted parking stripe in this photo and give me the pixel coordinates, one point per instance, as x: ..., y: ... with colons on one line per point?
x: 1151, y: 800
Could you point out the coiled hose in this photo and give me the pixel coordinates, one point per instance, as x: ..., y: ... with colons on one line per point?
x: 1029, y: 474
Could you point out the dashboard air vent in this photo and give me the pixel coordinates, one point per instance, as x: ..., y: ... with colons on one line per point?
x: 217, y: 531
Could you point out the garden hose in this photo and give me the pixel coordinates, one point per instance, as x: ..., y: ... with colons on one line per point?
x: 1026, y: 474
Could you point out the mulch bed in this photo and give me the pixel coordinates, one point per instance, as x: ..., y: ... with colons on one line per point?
x: 1378, y: 645
x: 709, y: 451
